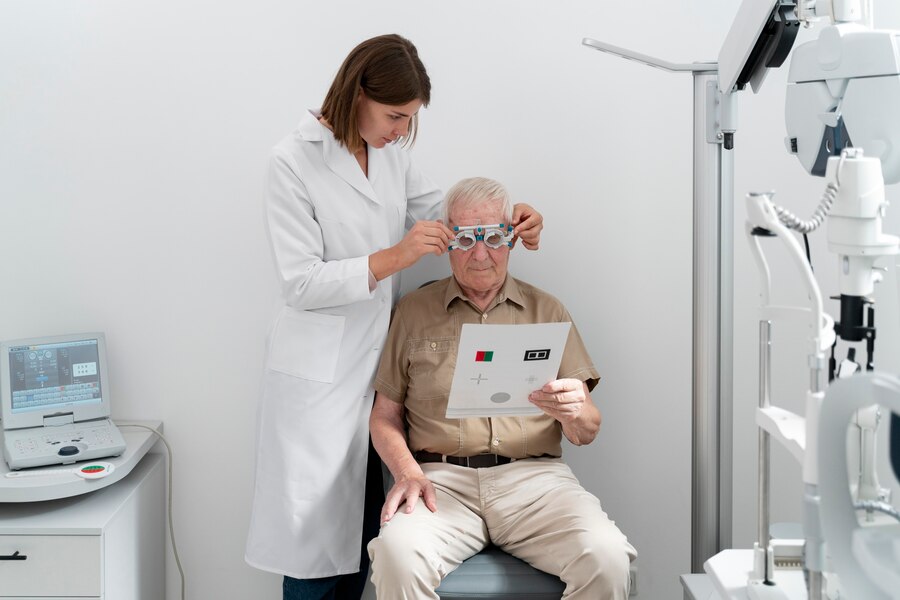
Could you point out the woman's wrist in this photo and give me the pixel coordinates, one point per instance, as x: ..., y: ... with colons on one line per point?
x: 386, y: 262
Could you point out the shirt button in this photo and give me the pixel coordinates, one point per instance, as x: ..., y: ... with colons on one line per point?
x: 496, y: 441
x: 484, y: 317
x: 433, y: 345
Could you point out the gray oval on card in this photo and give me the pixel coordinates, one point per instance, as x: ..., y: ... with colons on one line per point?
x: 500, y: 397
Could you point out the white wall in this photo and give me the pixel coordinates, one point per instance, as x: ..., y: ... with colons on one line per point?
x: 133, y: 138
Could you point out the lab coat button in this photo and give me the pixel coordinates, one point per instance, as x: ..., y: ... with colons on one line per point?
x: 496, y: 441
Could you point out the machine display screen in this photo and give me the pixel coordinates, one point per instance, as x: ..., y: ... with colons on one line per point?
x: 49, y: 376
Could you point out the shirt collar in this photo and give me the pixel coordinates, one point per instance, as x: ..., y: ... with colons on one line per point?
x: 310, y: 128
x: 509, y: 291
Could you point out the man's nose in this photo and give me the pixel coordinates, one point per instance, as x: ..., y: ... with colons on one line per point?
x: 480, y: 250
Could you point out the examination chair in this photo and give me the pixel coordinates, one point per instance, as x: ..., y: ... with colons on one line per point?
x: 492, y: 574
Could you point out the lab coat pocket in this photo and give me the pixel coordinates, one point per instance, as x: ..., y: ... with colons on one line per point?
x: 306, y: 344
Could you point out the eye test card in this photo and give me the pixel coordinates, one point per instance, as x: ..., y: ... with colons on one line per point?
x: 498, y: 366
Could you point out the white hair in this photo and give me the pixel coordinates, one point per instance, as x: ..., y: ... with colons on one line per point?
x: 474, y: 191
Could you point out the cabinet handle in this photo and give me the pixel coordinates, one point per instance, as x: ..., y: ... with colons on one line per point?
x: 14, y: 556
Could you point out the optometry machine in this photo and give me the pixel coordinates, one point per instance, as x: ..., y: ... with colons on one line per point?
x: 842, y: 113
x: 493, y: 236
x: 843, y: 124
x: 54, y: 401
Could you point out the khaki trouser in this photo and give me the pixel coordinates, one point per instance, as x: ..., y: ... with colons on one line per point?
x: 534, y: 509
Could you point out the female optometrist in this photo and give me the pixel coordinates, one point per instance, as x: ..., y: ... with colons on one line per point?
x: 339, y: 195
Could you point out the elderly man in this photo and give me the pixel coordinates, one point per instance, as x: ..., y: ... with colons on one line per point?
x: 462, y: 483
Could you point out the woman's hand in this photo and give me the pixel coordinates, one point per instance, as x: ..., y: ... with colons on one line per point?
x: 527, y: 224
x: 425, y: 237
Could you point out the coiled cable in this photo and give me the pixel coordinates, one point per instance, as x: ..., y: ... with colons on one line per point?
x: 791, y: 221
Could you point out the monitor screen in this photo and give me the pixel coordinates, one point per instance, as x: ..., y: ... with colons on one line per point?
x: 51, y: 376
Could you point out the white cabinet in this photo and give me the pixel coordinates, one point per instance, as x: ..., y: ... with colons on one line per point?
x: 108, y: 544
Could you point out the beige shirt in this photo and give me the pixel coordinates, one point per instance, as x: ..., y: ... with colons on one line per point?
x: 420, y: 356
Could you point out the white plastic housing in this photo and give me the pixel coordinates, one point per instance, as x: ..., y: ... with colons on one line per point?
x: 851, y: 72
x: 854, y: 225
x: 866, y: 559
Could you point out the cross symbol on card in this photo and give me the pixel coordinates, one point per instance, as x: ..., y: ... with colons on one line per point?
x: 531, y: 379
x: 478, y: 379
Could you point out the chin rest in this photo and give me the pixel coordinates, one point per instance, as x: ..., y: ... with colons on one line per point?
x: 492, y: 574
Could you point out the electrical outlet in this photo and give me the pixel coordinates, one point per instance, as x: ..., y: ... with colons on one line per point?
x: 632, y: 576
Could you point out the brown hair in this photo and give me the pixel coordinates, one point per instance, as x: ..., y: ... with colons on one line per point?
x: 388, y: 70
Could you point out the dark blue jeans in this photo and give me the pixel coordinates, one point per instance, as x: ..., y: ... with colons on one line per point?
x: 347, y: 587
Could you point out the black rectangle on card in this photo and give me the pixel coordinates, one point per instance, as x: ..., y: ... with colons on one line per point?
x: 543, y: 354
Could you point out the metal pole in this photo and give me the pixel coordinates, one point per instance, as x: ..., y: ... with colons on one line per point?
x: 814, y: 550
x: 765, y: 388
x: 712, y: 331
x: 726, y: 343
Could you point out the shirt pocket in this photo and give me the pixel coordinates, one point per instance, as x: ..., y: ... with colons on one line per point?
x: 432, y: 363
x: 306, y: 345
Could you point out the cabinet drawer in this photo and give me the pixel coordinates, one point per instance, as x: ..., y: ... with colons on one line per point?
x: 57, y: 565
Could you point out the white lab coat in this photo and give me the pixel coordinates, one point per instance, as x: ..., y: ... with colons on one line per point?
x: 324, y: 219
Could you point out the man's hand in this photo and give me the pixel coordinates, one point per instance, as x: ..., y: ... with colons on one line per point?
x: 408, y: 490
x: 569, y: 402
x: 563, y: 399
x: 386, y: 425
x: 527, y: 224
